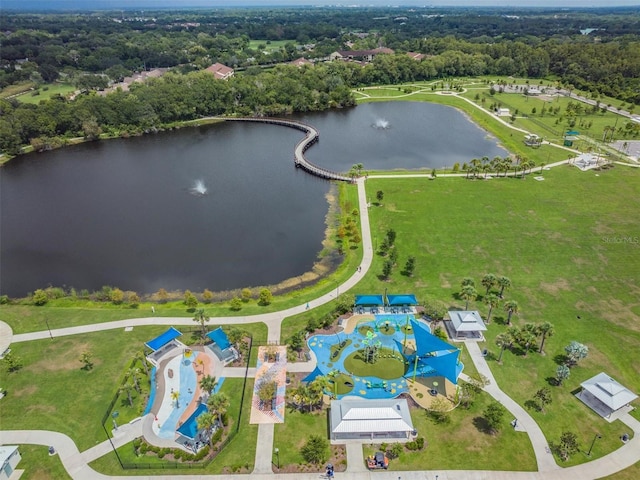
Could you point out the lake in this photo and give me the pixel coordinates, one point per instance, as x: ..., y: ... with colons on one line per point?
x: 134, y: 213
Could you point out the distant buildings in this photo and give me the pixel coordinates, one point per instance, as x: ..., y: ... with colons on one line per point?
x: 220, y: 71
x: 361, y: 55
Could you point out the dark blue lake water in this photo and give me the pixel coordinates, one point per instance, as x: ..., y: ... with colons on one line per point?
x: 124, y: 212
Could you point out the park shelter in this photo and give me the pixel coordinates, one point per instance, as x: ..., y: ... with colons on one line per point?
x: 403, y: 300
x: 221, y: 345
x: 9, y: 459
x: 189, y: 429
x: 163, y: 343
x: 605, y: 395
x: 467, y: 324
x: 369, y: 300
x: 368, y: 420
x: 433, y: 357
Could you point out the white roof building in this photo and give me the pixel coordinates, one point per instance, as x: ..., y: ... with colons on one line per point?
x: 9, y: 458
x: 355, y: 418
x: 467, y: 323
x: 605, y: 395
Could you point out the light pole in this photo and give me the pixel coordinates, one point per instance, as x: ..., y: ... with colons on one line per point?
x: 277, y: 452
x: 595, y: 437
x: 46, y: 320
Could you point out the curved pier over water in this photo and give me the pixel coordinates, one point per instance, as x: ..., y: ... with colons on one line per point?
x: 311, y: 137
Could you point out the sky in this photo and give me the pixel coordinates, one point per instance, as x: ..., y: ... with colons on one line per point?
x: 117, y: 4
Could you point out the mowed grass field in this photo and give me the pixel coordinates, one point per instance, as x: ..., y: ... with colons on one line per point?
x: 569, y: 244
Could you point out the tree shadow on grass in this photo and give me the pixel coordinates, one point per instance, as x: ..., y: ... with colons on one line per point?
x: 560, y: 359
x: 532, y: 405
x: 482, y: 425
x: 553, y: 381
x: 499, y: 320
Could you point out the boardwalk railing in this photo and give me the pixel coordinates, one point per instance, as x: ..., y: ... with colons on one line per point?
x: 311, y: 137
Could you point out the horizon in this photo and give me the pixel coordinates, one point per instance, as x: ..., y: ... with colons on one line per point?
x: 56, y: 5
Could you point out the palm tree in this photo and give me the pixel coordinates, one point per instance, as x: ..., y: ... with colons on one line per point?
x: 504, y: 341
x: 504, y: 283
x: 218, y: 404
x: 489, y: 281
x: 141, y: 357
x: 528, y: 337
x: 127, y: 387
x: 134, y: 374
x: 467, y: 281
x: 545, y: 330
x: 207, y: 421
x: 468, y: 293
x: 208, y: 383
x: 511, y: 307
x: 492, y: 301
x: 201, y: 318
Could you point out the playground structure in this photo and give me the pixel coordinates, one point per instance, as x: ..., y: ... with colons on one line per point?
x: 385, y: 356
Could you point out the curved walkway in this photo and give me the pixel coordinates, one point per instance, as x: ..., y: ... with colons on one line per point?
x: 76, y: 463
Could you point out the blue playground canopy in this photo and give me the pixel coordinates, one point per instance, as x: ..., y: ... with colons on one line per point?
x: 219, y: 338
x: 398, y: 300
x: 434, y: 355
x: 313, y: 375
x: 368, y: 300
x: 189, y: 428
x: 161, y: 340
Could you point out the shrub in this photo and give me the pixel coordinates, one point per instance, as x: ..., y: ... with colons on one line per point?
x: 266, y: 297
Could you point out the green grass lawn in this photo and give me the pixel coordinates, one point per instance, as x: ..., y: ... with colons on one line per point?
x: 461, y: 444
x: 39, y: 465
x: 52, y: 392
x: 45, y: 92
x: 268, y: 45
x: 553, y: 239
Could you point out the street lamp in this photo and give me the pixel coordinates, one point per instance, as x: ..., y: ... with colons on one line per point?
x: 595, y: 437
x: 277, y: 452
x: 46, y: 320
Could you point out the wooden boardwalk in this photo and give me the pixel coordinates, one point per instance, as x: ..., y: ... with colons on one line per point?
x: 311, y: 137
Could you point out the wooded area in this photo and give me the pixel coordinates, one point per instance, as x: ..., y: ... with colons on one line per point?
x: 94, y: 49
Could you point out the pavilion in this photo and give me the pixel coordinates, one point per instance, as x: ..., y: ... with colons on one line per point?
x: 402, y: 302
x: 369, y: 420
x: 467, y: 325
x: 369, y: 301
x: 604, y: 395
x: 221, y: 346
x: 163, y: 343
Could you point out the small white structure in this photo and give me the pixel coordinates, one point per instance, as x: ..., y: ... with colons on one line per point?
x: 604, y: 395
x: 369, y: 420
x: 503, y: 112
x: 9, y: 458
x: 467, y: 324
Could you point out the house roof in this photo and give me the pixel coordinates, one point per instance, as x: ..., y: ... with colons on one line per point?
x: 467, y: 321
x: 609, y: 391
x: 299, y: 62
x: 219, y: 70
x: 351, y: 415
x: 161, y: 340
x: 416, y: 55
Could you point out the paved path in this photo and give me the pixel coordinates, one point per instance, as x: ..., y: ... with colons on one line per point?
x: 76, y: 463
x: 544, y: 458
